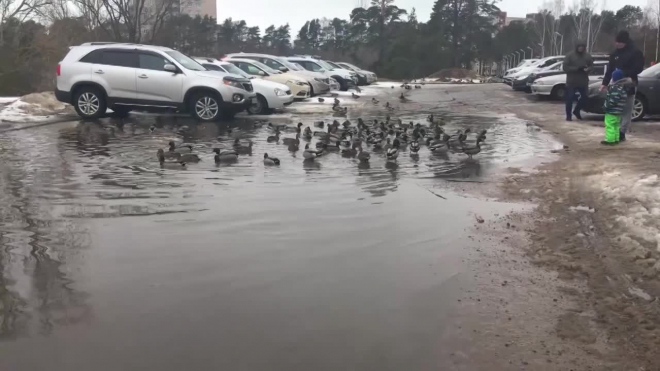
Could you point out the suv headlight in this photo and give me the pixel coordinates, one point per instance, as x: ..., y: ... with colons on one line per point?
x: 353, y: 73
x: 317, y: 79
x: 280, y: 92
x: 232, y: 82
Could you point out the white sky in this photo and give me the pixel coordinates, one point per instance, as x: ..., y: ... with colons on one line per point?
x: 264, y: 13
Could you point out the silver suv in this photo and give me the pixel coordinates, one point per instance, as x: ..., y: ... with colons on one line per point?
x: 96, y: 76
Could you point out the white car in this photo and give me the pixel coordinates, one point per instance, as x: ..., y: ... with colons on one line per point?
x: 298, y: 86
x: 99, y: 75
x: 535, y: 67
x: 319, y: 83
x: 345, y: 78
x: 270, y: 95
x: 368, y: 75
x: 555, y: 85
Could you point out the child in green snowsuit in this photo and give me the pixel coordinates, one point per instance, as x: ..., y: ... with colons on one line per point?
x: 614, y: 105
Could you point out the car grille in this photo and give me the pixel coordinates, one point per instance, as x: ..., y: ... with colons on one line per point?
x: 247, y: 86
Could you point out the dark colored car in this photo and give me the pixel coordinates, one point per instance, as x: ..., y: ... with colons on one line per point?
x: 647, y: 100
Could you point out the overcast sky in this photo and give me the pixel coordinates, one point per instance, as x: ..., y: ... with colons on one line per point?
x: 264, y: 13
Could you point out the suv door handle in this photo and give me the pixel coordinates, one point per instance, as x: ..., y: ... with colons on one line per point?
x: 100, y: 72
x: 143, y: 76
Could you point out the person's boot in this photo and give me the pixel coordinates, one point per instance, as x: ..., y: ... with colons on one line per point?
x: 577, y: 114
x: 622, y: 137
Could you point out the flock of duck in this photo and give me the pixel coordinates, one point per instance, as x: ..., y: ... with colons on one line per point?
x: 388, y: 137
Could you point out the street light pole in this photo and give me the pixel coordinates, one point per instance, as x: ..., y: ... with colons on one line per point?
x: 531, y: 52
x: 523, y: 51
x: 561, y: 45
x: 518, y: 54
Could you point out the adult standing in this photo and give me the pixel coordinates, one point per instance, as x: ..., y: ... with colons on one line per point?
x: 577, y: 65
x: 630, y: 61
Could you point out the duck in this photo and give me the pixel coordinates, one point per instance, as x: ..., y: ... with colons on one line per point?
x: 392, y: 87
x: 340, y: 110
x: 458, y: 138
x: 275, y: 128
x: 374, y: 101
x: 357, y: 89
x: 387, y: 105
x: 185, y: 148
x: 274, y: 138
x: 337, y: 102
x: 471, y: 151
x: 189, y: 158
x: 321, y: 100
x: 319, y: 124
x: 160, y: 154
x: 238, y: 146
x: 289, y: 141
x: 307, y: 134
x: 152, y: 128
x: 225, y: 156
x: 442, y: 146
x: 331, y: 148
x: 363, y: 156
x: 355, y: 96
x: 393, y: 152
x: 414, y: 147
x: 350, y: 152
x: 403, y: 98
x: 311, y: 154
x: 270, y: 161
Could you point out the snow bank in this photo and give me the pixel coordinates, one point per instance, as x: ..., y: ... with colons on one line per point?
x: 34, y: 107
x: 5, y: 100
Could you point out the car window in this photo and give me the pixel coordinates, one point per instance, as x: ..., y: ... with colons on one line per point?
x: 548, y: 63
x: 230, y: 68
x: 651, y: 71
x: 187, y: 62
x: 248, y: 68
x: 311, y: 66
x: 93, y: 57
x: 272, y: 63
x: 152, y: 62
x: 212, y: 67
x: 597, y: 70
x: 119, y: 58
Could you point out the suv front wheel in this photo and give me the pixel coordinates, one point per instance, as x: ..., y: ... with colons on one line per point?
x: 205, y: 106
x: 89, y: 103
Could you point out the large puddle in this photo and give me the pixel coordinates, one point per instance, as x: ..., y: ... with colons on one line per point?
x: 109, y: 262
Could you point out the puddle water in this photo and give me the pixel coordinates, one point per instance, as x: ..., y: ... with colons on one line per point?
x: 109, y: 262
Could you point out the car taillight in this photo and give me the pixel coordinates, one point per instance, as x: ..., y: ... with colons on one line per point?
x: 58, y: 70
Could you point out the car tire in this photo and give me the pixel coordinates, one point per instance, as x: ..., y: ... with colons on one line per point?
x: 311, y: 90
x: 343, y: 84
x: 205, y: 106
x: 558, y: 92
x: 90, y: 102
x: 260, y: 107
x: 640, y: 102
x: 121, y: 111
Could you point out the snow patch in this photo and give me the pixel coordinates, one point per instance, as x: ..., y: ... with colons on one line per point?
x: 5, y: 100
x: 35, y: 107
x: 581, y: 208
x: 639, y: 293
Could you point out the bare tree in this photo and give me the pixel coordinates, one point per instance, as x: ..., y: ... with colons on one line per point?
x: 19, y: 9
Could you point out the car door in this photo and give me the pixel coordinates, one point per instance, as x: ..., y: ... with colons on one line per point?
x: 596, y: 73
x: 115, y: 71
x: 154, y: 84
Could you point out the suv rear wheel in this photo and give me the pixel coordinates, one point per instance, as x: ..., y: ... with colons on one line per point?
x: 89, y: 102
x: 259, y: 106
x: 205, y: 106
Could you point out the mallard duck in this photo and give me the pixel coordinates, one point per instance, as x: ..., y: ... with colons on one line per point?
x: 388, y: 144
x: 319, y: 124
x: 331, y: 147
x: 374, y: 101
x: 152, y: 128
x: 241, y: 148
x: 337, y: 102
x: 225, y: 156
x: 387, y: 105
x: 458, y: 138
x: 355, y: 96
x: 289, y: 141
x: 357, y: 89
x: 270, y: 161
x: 414, y: 147
x: 340, y: 110
x: 321, y: 100
x: 275, y: 128
x: 160, y: 154
x: 293, y: 147
x: 311, y: 154
x: 471, y: 151
x: 440, y: 147
x: 185, y: 148
x: 274, y: 138
x: 393, y: 151
x: 189, y: 158
x: 363, y: 156
x: 307, y: 134
x: 349, y: 152
x: 403, y: 98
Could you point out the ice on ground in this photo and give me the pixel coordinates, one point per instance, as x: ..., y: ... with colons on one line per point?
x: 581, y: 208
x: 5, y: 100
x: 34, y: 107
x: 638, y: 197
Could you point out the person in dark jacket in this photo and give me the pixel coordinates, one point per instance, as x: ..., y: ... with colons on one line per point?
x: 630, y: 61
x: 577, y: 65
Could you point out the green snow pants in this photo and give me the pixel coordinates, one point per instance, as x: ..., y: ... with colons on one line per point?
x: 612, y: 123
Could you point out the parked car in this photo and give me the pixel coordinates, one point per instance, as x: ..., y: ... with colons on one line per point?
x: 524, y: 63
x: 95, y: 76
x: 370, y: 76
x: 299, y: 87
x: 270, y: 95
x: 524, y: 82
x: 555, y: 85
x: 319, y: 83
x: 647, y: 99
x: 344, y: 77
x: 534, y: 67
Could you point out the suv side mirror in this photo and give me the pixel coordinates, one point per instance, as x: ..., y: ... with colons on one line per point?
x: 261, y: 73
x: 170, y: 68
x: 284, y: 69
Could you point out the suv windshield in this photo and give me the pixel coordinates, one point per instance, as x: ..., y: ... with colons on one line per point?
x: 334, y: 65
x: 651, y: 71
x: 269, y: 70
x: 230, y: 68
x: 325, y: 65
x: 187, y: 62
